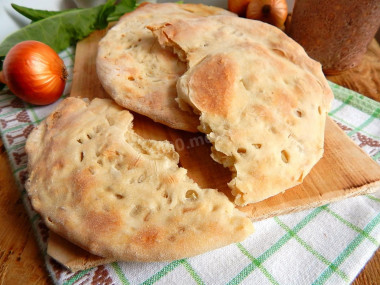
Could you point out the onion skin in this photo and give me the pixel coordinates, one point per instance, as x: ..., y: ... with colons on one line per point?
x: 273, y: 12
x: 34, y: 72
x: 238, y: 6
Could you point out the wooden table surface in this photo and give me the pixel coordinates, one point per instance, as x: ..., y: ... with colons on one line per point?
x: 20, y: 259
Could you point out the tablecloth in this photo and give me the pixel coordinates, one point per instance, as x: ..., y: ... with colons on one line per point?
x: 325, y: 245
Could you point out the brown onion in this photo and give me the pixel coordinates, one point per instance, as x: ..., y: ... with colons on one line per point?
x: 273, y: 12
x: 238, y: 6
x: 34, y: 72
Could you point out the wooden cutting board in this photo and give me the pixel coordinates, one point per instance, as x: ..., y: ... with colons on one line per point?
x: 344, y: 171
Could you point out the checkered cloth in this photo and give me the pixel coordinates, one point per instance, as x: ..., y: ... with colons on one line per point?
x: 325, y: 245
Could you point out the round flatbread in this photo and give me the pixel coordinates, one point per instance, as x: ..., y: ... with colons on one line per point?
x: 262, y: 101
x: 103, y: 187
x: 138, y: 73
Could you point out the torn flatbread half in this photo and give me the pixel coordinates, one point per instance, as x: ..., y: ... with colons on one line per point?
x: 262, y: 101
x: 138, y: 73
x: 106, y: 189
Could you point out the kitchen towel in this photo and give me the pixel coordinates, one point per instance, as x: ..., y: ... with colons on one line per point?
x: 326, y: 245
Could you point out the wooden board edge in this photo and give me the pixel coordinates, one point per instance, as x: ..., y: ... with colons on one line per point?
x: 71, y: 256
x: 349, y: 193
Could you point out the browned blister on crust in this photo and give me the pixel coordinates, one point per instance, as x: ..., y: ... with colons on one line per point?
x: 103, y: 187
x: 138, y: 73
x: 262, y: 101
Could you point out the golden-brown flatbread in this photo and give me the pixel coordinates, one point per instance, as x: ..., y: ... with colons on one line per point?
x: 138, y: 73
x: 262, y: 101
x: 103, y: 187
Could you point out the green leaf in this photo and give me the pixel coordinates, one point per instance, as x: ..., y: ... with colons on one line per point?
x: 34, y: 14
x: 102, y: 21
x: 62, y: 30
x: 124, y: 6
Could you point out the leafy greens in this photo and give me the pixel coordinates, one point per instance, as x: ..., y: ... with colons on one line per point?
x: 34, y: 14
x: 60, y: 29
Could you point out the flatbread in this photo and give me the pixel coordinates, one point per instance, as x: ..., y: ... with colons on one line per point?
x: 106, y: 189
x: 262, y: 101
x: 139, y: 74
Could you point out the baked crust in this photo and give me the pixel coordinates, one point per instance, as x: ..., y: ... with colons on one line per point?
x: 138, y: 73
x: 262, y: 101
x: 103, y: 187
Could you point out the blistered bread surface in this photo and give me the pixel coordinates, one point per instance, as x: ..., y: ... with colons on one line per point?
x: 103, y: 187
x: 262, y: 101
x: 138, y: 73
